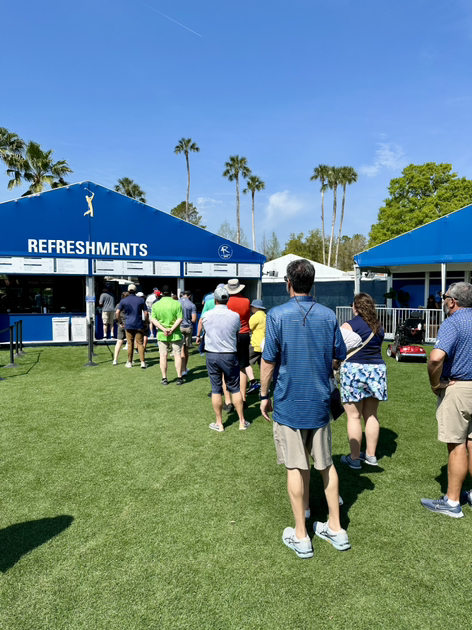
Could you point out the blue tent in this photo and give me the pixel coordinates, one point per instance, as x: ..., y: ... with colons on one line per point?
x: 446, y: 240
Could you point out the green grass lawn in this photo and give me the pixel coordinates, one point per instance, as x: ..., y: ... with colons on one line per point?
x: 119, y: 508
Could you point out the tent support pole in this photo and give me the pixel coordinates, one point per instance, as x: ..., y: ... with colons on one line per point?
x: 389, y: 288
x: 426, y: 287
x: 357, y: 279
x: 180, y: 286
x: 443, y: 277
x: 259, y: 289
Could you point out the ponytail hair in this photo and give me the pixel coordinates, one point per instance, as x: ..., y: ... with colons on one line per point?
x: 365, y: 307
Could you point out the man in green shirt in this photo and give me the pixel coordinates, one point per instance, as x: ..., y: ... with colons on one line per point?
x: 167, y: 315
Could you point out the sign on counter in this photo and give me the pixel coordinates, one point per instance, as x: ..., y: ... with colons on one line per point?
x: 78, y: 328
x: 60, y: 328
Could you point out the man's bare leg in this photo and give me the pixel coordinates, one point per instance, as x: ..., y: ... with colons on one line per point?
x: 457, y: 467
x: 243, y: 384
x: 469, y: 450
x: 250, y: 372
x: 331, y: 489
x: 119, y: 345
x: 163, y: 364
x: 239, y: 406
x: 178, y: 362
x: 217, y: 402
x: 226, y: 392
x: 306, y: 488
x: 184, y: 356
x: 296, y: 492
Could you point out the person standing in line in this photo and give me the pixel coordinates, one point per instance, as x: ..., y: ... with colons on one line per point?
x: 151, y: 298
x: 121, y: 333
x: 146, y: 320
x: 303, y: 341
x: 106, y: 302
x: 189, y: 318
x: 363, y: 378
x: 167, y: 316
x: 221, y: 332
x: 242, y: 307
x: 133, y: 307
x: 450, y: 376
x: 257, y: 324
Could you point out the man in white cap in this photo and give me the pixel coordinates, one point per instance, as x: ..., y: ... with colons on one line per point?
x: 242, y: 307
x: 134, y: 308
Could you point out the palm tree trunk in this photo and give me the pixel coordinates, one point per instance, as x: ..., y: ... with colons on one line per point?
x: 188, y: 188
x: 340, y: 226
x: 253, y: 223
x: 238, y: 227
x: 332, y: 225
x: 322, y: 223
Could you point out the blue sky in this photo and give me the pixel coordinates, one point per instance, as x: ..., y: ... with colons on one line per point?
x: 112, y: 85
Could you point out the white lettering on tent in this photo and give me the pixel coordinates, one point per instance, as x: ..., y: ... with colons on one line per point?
x: 51, y: 246
x: 79, y: 247
x: 90, y: 248
x: 61, y: 247
x: 43, y: 248
x: 71, y: 247
x: 143, y: 250
x: 134, y: 245
x: 115, y: 249
x: 124, y: 249
x: 33, y: 245
x: 103, y: 249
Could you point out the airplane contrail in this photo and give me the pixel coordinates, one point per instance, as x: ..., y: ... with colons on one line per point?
x: 172, y: 20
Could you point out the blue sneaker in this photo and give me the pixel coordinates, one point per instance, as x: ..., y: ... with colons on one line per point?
x: 339, y: 540
x: 441, y: 506
x: 303, y: 548
x: 466, y: 497
x: 352, y: 463
x: 254, y: 387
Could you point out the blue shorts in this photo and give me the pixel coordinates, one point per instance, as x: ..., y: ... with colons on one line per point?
x: 219, y: 364
x: 363, y: 380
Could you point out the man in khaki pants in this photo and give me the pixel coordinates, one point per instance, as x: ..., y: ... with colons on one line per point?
x: 450, y: 375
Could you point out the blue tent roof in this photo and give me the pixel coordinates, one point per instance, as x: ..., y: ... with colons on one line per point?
x: 445, y: 240
x: 59, y: 215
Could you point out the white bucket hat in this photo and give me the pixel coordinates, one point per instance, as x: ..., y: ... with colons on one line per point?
x: 234, y: 286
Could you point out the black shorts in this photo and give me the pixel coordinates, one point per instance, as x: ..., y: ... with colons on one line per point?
x: 219, y: 364
x: 243, y: 350
x: 254, y: 357
x: 121, y: 333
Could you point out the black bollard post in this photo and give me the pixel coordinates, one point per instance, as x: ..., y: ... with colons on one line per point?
x: 22, y: 352
x: 90, y: 362
x: 12, y: 363
x: 17, y: 340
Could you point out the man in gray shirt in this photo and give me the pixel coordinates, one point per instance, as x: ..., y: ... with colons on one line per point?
x: 221, y: 333
x: 186, y: 327
x: 107, y: 303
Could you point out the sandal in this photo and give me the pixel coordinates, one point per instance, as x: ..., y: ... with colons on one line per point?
x: 164, y: 381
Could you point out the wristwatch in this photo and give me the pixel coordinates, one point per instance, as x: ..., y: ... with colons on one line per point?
x: 264, y: 397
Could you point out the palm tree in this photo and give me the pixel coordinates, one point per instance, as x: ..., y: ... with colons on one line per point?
x: 36, y: 167
x: 333, y: 183
x: 321, y: 172
x: 130, y: 188
x: 254, y: 183
x: 184, y: 146
x: 11, y: 149
x: 236, y: 166
x: 348, y: 176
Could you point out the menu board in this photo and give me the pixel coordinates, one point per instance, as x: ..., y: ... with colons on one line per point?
x: 72, y: 266
x: 164, y: 268
x: 8, y: 264
x: 78, y: 328
x: 109, y: 267
x: 249, y: 271
x: 210, y: 270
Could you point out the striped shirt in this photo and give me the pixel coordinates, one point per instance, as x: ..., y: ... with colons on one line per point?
x: 221, y: 329
x: 302, y: 339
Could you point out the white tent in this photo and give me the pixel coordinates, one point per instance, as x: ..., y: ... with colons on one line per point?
x: 275, y: 270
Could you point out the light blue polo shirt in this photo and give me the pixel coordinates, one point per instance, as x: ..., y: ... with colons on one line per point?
x: 455, y: 339
x: 302, y: 339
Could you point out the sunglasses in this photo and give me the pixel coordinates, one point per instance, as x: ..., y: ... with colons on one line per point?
x: 444, y: 296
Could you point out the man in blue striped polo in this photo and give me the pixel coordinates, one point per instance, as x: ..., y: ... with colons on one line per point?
x: 303, y: 340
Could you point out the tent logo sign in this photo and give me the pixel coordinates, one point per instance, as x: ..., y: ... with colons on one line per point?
x: 225, y: 251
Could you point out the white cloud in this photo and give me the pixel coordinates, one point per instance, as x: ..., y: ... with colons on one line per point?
x: 388, y: 156
x: 282, y: 206
x: 205, y: 202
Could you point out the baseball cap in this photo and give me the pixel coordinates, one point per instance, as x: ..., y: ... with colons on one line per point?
x: 132, y: 287
x: 221, y: 294
x: 140, y: 294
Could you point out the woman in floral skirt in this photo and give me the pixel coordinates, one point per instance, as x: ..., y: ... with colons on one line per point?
x: 363, y: 382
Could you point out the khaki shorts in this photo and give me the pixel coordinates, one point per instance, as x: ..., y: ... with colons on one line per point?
x: 108, y: 317
x: 165, y: 346
x: 454, y: 413
x: 293, y: 447
x: 187, y: 336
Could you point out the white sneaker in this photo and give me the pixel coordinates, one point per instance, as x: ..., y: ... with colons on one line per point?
x: 128, y: 364
x: 339, y: 540
x: 115, y: 362
x: 143, y: 364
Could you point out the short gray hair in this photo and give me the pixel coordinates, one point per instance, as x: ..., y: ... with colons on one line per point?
x: 462, y: 293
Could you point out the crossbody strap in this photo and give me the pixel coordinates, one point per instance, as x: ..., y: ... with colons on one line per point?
x: 351, y: 354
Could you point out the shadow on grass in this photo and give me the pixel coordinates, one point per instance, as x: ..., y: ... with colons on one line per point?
x: 12, y: 372
x: 251, y: 413
x: 387, y: 443
x: 19, y: 539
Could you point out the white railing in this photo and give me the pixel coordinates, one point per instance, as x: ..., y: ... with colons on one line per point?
x: 391, y: 317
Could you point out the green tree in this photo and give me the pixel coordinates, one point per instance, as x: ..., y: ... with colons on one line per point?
x: 185, y: 145
x: 310, y: 247
x: 182, y: 212
x: 322, y: 172
x: 347, y: 177
x: 37, y: 168
x: 235, y: 167
x: 11, y: 153
x: 349, y: 247
x: 271, y: 248
x: 254, y: 183
x: 130, y: 188
x: 226, y: 231
x: 423, y: 193
x: 333, y: 182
